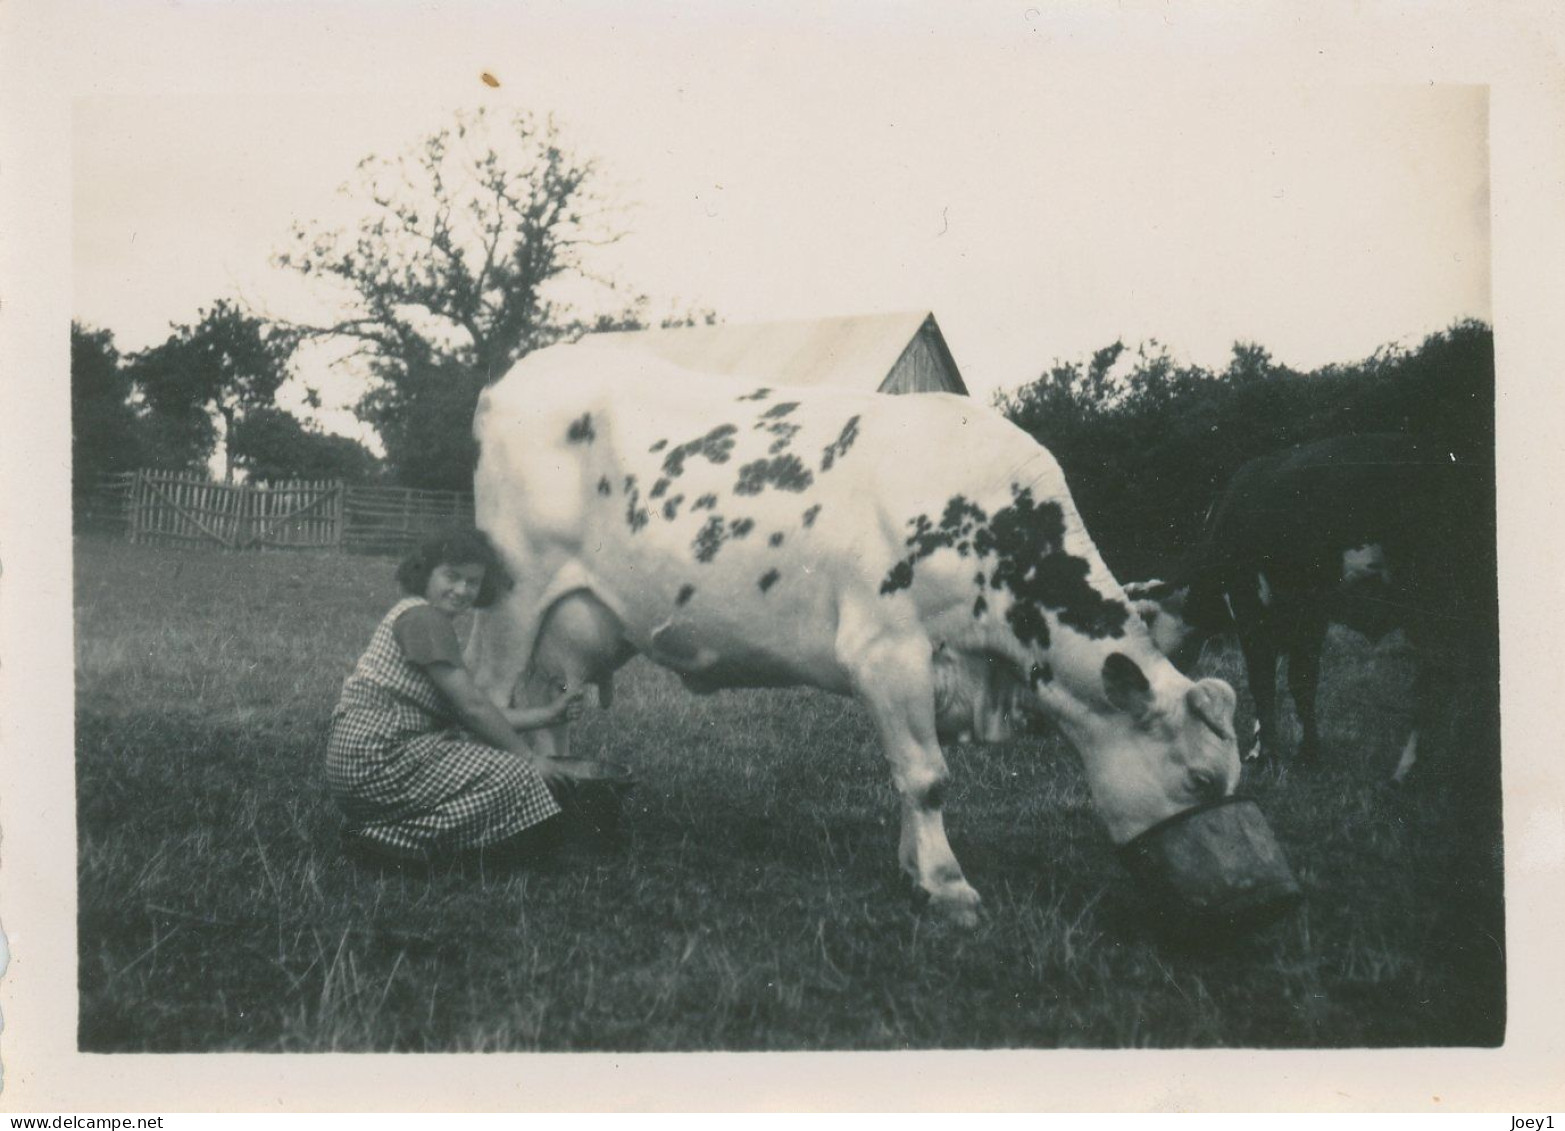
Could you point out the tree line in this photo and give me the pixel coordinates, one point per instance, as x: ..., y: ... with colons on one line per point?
x: 1148, y: 444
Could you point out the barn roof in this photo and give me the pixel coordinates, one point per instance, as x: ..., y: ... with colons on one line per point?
x: 859, y: 351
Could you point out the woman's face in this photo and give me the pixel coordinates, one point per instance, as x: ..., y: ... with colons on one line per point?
x: 452, y: 589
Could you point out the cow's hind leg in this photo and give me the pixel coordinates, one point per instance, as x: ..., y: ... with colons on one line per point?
x: 895, y: 683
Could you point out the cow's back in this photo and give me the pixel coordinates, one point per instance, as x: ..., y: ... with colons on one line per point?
x: 732, y: 525
x: 1296, y: 516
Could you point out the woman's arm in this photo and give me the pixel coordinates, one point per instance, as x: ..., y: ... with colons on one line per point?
x: 567, y: 708
x: 477, y: 712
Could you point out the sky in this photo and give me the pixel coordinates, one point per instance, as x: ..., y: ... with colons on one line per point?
x: 773, y: 169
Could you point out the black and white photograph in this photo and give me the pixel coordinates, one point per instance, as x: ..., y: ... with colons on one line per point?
x: 619, y: 530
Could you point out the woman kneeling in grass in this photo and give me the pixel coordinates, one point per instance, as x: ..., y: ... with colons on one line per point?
x: 423, y: 764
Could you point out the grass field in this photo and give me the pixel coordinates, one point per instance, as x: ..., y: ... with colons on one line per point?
x: 758, y: 904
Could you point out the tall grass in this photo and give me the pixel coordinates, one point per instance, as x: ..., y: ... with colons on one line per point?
x: 757, y: 904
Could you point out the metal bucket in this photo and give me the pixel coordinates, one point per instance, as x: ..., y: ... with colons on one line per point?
x: 1214, y: 868
x: 594, y: 800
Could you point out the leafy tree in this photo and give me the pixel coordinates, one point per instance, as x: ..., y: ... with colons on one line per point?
x: 103, y: 421
x: 271, y: 444
x: 425, y: 422
x: 1148, y: 449
x: 446, y: 277
x: 226, y: 365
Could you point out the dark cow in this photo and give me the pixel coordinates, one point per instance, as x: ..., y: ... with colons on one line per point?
x: 919, y: 553
x: 1375, y: 532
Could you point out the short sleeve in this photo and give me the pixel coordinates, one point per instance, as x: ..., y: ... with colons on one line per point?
x: 427, y: 637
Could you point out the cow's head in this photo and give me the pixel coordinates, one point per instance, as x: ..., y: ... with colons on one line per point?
x: 1152, y: 742
x: 1365, y: 599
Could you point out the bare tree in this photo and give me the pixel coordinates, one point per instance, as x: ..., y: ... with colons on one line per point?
x: 446, y: 276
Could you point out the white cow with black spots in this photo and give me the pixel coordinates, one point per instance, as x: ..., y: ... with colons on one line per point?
x: 919, y: 553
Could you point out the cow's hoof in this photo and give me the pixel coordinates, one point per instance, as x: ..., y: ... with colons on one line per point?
x: 958, y: 906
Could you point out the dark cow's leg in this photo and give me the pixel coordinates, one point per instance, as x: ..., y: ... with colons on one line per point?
x: 1260, y: 662
x: 1304, y: 649
x: 1436, y: 708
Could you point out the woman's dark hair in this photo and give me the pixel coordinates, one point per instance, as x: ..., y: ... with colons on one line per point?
x: 460, y: 545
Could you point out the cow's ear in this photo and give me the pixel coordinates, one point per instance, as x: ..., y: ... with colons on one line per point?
x: 1126, y: 686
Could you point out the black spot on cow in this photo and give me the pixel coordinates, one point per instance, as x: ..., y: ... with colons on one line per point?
x: 775, y: 540
x: 957, y: 524
x: 704, y: 503
x: 812, y: 514
x: 1028, y: 623
x: 710, y: 539
x: 768, y: 579
x: 580, y: 431
x: 839, y: 446
x: 604, y: 486
x: 658, y: 488
x: 1040, y: 674
x: 659, y: 446
x: 1026, y: 542
x: 759, y: 395
x: 782, y: 431
x: 716, y: 446
x: 784, y: 472
x: 784, y: 434
x: 671, y: 507
x: 980, y: 606
x: 685, y: 593
x: 635, y: 514
x: 900, y: 577
x: 741, y: 527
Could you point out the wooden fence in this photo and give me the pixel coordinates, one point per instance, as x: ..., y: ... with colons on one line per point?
x: 181, y: 509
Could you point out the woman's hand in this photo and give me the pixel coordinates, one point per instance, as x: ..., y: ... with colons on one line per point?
x: 568, y: 707
x: 564, y: 708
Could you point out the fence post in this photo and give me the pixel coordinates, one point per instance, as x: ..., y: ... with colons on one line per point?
x: 133, y: 506
x: 241, y: 514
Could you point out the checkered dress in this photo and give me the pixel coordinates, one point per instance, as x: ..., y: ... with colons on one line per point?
x: 407, y: 778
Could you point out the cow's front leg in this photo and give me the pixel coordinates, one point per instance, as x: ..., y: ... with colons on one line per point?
x: 1260, y: 662
x: 895, y: 683
x: 1304, y: 655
